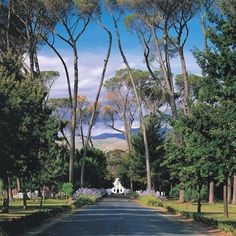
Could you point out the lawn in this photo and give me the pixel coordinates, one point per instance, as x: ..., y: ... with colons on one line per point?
x: 214, y: 211
x: 16, y: 209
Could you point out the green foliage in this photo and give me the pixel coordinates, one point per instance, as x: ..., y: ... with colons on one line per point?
x: 195, y: 84
x: 68, y: 189
x: 118, y: 166
x: 191, y: 194
x: 151, y: 200
x: 83, y: 200
x: 17, y: 226
x: 226, y: 228
x: 156, y: 152
x: 95, y: 168
x: 174, y: 192
x: 1, y: 185
x: 203, y: 219
x: 133, y: 195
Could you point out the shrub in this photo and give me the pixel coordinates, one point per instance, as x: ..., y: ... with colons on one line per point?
x: 68, y: 189
x: 227, y: 228
x: 151, y: 200
x: 133, y: 195
x: 16, y: 226
x: 90, y: 191
x: 83, y: 200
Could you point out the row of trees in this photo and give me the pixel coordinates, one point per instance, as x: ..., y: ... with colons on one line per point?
x: 202, y: 144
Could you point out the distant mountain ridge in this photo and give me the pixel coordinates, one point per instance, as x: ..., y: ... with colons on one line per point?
x: 114, y: 135
x: 120, y: 135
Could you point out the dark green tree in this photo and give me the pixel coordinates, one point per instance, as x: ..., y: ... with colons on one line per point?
x: 95, y: 169
x: 219, y: 88
x: 155, y: 137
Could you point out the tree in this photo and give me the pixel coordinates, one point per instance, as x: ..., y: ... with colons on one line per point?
x: 155, y: 141
x: 219, y: 86
x: 95, y: 168
x: 28, y: 122
x: 122, y: 103
x: 74, y: 16
x: 194, y: 160
x: 96, y: 103
x: 113, y: 6
x: 118, y: 166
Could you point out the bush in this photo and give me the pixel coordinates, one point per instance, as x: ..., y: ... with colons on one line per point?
x: 134, y: 195
x: 83, y: 200
x: 68, y: 189
x: 151, y: 200
x: 90, y: 191
x: 16, y: 226
x: 227, y: 228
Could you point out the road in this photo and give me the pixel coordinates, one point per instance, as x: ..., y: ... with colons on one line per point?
x: 118, y: 216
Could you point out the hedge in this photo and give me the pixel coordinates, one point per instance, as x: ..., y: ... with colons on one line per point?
x: 17, y: 226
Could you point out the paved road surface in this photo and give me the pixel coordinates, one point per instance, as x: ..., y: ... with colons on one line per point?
x: 118, y: 216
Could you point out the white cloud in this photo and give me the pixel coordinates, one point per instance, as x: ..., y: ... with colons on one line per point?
x: 90, y: 69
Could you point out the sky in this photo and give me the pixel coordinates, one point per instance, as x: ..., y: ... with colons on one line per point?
x: 92, y: 48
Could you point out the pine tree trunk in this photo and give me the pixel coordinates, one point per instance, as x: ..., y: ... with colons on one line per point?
x: 25, y: 200
x: 199, y: 199
x: 225, y: 199
x: 131, y: 185
x: 229, y: 195
x: 36, y: 63
x: 211, y: 199
x: 204, y: 31
x: 234, y: 190
x: 181, y: 196
x: 10, y: 190
x: 186, y: 83
x: 73, y: 116
x: 142, y: 122
x: 18, y: 188
x: 91, y: 122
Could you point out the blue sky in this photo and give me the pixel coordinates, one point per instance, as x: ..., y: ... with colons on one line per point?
x: 92, y: 49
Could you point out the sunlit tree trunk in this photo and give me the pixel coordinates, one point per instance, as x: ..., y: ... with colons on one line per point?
x: 73, y: 116
x: 211, y: 198
x: 234, y: 191
x: 225, y: 199
x: 229, y: 197
x: 181, y: 195
x: 186, y: 83
x: 36, y: 63
x: 18, y: 188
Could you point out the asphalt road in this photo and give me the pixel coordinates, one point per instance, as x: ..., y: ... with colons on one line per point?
x: 118, y: 216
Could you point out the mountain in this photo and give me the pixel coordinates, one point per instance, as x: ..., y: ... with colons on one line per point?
x: 121, y: 136
x: 113, y: 135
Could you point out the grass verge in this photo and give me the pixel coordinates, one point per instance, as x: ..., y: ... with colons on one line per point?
x: 212, y: 214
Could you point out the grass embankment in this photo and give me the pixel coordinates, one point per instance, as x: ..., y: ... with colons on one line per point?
x: 214, y: 211
x: 16, y: 210
x: 212, y: 214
